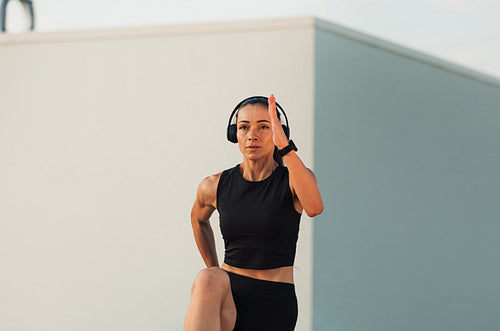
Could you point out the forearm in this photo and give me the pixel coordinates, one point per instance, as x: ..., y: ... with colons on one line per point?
x: 304, y: 184
x: 205, y: 241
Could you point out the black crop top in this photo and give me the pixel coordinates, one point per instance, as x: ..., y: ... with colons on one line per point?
x: 258, y: 220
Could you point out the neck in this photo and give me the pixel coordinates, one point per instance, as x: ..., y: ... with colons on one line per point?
x: 257, y: 170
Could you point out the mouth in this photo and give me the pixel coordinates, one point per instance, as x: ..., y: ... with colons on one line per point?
x: 253, y: 147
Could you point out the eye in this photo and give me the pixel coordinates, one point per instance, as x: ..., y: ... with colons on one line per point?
x: 264, y: 127
x: 242, y: 127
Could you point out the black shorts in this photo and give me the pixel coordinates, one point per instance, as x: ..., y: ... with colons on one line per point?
x: 263, y: 305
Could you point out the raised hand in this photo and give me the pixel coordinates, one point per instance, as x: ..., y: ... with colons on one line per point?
x: 279, y: 137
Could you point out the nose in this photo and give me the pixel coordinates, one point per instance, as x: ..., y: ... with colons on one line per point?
x: 252, y: 134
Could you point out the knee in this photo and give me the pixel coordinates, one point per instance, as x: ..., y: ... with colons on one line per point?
x: 211, y: 281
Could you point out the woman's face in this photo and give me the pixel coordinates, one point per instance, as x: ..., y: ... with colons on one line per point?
x: 254, y: 133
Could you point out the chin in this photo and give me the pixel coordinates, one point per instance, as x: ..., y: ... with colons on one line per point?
x: 253, y: 157
x: 258, y: 156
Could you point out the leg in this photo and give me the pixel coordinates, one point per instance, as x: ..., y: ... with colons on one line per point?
x: 212, y: 306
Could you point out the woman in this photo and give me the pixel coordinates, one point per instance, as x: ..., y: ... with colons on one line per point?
x: 259, y: 202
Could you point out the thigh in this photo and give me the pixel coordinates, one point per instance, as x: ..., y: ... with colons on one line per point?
x: 263, y: 305
x: 273, y: 309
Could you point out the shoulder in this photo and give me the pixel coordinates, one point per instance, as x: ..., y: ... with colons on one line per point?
x: 207, y: 190
x: 210, y: 182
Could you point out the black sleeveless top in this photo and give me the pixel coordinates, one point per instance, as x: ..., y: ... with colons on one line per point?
x: 258, y: 220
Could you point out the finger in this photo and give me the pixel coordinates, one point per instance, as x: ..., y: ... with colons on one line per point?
x: 272, y: 105
x: 272, y: 102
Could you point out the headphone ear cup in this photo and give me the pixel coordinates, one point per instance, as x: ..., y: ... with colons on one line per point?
x: 287, y: 132
x: 231, y: 133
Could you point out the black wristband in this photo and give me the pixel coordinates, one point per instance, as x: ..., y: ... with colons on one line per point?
x: 291, y: 147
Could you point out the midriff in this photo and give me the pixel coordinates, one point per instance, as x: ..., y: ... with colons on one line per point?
x: 283, y: 274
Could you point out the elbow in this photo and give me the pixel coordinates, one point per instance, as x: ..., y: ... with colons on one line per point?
x: 315, y: 210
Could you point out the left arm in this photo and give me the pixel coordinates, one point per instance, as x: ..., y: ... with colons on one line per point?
x: 304, y: 185
x: 302, y: 180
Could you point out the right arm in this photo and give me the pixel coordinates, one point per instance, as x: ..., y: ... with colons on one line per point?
x: 203, y: 207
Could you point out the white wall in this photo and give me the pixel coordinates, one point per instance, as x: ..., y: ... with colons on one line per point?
x: 104, y: 137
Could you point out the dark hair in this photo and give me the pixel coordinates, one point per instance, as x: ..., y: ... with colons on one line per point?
x: 263, y: 101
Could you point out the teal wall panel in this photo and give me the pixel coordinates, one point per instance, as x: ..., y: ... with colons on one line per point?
x: 408, y: 157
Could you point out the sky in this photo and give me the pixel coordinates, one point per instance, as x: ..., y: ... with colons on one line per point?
x: 464, y: 32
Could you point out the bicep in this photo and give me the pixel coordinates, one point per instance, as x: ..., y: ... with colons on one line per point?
x: 201, y: 212
x: 205, y: 202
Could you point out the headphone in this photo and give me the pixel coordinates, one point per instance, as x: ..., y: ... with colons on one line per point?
x: 232, y: 127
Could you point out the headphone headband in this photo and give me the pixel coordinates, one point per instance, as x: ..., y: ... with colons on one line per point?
x: 231, y: 127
